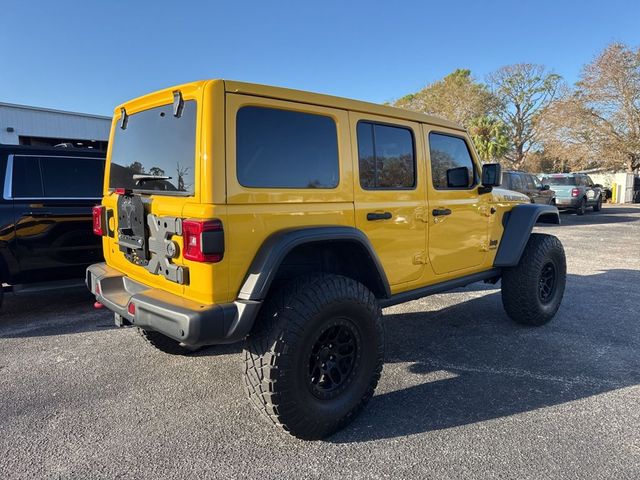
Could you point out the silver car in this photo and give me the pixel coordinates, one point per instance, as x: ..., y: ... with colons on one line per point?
x: 575, y: 191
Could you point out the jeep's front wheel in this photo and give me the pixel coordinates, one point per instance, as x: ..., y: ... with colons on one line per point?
x: 532, y: 290
x: 315, y: 355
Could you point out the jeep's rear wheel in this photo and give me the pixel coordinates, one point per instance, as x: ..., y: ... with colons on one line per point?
x: 314, y: 357
x: 532, y: 290
x: 164, y: 343
x: 582, y: 208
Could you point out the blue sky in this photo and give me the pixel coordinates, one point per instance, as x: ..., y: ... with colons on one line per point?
x: 91, y: 55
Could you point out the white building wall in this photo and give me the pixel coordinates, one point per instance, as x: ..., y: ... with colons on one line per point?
x: 39, y: 122
x: 622, y: 180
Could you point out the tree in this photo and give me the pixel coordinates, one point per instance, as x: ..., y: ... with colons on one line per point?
x: 457, y: 97
x: 598, y: 124
x: 523, y: 91
x: 490, y: 137
x: 182, y: 173
x: 136, y: 167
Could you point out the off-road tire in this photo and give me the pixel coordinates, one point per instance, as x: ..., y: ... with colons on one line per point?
x: 164, y: 343
x: 582, y: 208
x: 598, y: 206
x: 279, y: 354
x: 522, y: 285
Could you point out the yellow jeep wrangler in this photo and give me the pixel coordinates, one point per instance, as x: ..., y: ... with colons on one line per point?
x: 288, y: 219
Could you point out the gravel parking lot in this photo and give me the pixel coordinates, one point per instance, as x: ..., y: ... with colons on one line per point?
x: 464, y: 393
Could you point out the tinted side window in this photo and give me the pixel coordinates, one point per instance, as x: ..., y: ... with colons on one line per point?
x: 449, y: 153
x: 386, y: 156
x: 67, y: 177
x: 507, y: 179
x: 516, y: 182
x: 529, y: 182
x: 286, y: 149
x: 536, y: 181
x: 26, y: 179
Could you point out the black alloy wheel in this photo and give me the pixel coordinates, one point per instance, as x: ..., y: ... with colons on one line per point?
x: 333, y: 360
x: 547, y: 283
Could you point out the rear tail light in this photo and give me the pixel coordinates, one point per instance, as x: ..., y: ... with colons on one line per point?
x: 98, y: 220
x: 203, y: 240
x: 575, y: 192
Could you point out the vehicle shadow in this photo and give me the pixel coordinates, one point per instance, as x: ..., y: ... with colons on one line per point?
x: 469, y: 363
x: 55, y: 312
x: 608, y: 215
x: 65, y: 312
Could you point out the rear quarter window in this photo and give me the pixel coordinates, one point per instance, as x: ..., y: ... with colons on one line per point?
x: 72, y: 177
x: 278, y: 148
x: 57, y: 177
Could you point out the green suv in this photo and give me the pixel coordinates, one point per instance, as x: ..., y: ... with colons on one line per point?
x: 575, y: 191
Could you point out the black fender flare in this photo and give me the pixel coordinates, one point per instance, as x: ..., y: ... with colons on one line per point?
x: 518, y: 224
x: 276, y: 247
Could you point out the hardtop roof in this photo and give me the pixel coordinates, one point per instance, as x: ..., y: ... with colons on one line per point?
x: 232, y: 86
x: 288, y: 94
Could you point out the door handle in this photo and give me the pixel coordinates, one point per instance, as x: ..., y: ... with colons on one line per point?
x: 440, y: 211
x: 372, y: 216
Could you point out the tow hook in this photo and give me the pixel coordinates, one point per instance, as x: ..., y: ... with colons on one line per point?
x: 98, y: 305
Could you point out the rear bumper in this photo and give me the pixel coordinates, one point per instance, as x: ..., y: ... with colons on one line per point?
x: 572, y: 202
x: 186, y: 321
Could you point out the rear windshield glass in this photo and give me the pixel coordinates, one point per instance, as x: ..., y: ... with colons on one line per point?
x: 155, y: 143
x: 559, y: 180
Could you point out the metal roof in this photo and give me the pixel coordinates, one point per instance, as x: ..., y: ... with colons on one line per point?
x: 52, y: 110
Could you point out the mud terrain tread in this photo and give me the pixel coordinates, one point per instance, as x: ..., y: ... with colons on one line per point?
x: 280, y: 324
x: 519, y: 284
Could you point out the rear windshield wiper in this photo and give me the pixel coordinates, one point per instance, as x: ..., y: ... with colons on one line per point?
x: 141, y: 178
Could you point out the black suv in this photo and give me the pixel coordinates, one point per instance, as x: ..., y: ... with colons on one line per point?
x: 530, y: 185
x: 46, y: 229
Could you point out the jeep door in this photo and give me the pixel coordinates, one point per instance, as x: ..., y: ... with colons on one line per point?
x: 458, y: 214
x: 52, y: 198
x: 389, y: 192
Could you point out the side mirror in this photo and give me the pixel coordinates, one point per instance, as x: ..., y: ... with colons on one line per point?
x: 597, y: 185
x: 491, y: 175
x: 545, y: 187
x: 458, y: 177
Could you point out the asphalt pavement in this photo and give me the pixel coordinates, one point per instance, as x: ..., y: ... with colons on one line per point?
x: 465, y: 393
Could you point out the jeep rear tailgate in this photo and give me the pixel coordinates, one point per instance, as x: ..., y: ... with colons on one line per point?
x: 151, y: 189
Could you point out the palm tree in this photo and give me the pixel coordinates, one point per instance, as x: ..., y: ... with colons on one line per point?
x: 491, y: 138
